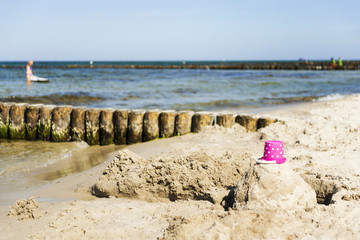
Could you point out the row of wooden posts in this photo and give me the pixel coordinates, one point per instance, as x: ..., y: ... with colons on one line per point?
x: 107, y: 126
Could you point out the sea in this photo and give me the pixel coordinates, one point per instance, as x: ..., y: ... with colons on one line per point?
x: 177, y: 89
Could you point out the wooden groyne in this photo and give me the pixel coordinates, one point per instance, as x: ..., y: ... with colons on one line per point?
x: 269, y: 65
x: 109, y: 126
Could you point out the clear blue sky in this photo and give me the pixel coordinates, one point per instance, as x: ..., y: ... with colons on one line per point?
x: 179, y: 30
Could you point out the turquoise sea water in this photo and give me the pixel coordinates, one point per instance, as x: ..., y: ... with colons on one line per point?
x: 177, y: 89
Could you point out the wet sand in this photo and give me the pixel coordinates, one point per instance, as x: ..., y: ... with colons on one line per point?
x: 41, y: 163
x: 322, y: 149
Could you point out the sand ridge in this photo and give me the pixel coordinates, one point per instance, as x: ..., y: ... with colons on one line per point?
x: 197, y: 176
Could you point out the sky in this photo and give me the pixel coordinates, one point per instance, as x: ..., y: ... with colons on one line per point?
x: 179, y: 30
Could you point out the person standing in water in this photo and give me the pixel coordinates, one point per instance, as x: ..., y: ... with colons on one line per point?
x: 29, y: 72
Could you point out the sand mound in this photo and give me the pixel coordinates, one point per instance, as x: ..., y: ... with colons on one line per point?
x: 26, y: 209
x: 196, y: 176
x: 274, y: 186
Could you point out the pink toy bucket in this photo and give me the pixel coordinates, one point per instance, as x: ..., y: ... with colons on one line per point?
x: 273, y: 153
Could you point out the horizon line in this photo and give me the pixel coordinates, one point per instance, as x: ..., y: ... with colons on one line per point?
x: 222, y: 60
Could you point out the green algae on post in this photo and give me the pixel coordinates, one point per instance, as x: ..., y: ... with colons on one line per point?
x: 106, y: 127
x: 44, y: 123
x: 183, y: 123
x: 4, y: 120
x: 17, y: 128
x: 31, y: 121
x: 77, y: 125
x: 151, y: 125
x: 92, y: 124
x: 120, y: 121
x: 60, y: 126
x: 135, y: 126
x: 225, y: 120
x: 201, y: 120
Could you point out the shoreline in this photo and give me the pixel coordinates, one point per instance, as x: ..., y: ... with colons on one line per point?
x: 311, y: 132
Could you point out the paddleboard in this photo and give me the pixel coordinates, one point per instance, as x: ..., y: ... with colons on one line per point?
x: 38, y: 79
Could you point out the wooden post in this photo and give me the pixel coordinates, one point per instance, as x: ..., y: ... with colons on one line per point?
x: 17, y: 128
x: 120, y: 120
x: 106, y: 127
x: 44, y: 123
x: 167, y: 123
x: 4, y: 120
x: 92, y: 124
x: 151, y: 125
x: 248, y: 122
x: 225, y: 120
x: 200, y: 120
x: 60, y: 124
x: 31, y: 121
x: 264, y: 122
x: 77, y: 126
x: 183, y: 123
x: 135, y: 126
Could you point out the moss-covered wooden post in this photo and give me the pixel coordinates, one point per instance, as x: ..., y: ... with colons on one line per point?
x: 17, y: 128
x: 31, y: 121
x: 167, y: 123
x: 60, y: 124
x: 135, y: 126
x: 225, y: 120
x: 4, y: 120
x: 201, y: 120
x: 120, y: 121
x: 151, y: 125
x: 106, y: 127
x: 44, y: 123
x: 183, y: 123
x: 92, y: 125
x: 77, y: 125
x: 248, y: 122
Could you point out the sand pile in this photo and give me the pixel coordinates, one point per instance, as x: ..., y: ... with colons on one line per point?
x: 273, y: 186
x: 196, y: 176
x: 26, y: 209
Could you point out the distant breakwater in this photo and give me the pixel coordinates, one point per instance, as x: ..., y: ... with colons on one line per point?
x: 283, y: 65
x: 109, y: 126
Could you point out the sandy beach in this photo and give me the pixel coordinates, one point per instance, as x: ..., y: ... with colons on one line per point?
x: 208, y: 185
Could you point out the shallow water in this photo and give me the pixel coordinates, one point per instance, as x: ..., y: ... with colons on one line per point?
x: 25, y: 156
x: 25, y: 164
x: 175, y: 89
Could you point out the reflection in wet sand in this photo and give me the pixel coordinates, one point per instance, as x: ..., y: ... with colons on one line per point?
x: 79, y: 161
x: 27, y: 165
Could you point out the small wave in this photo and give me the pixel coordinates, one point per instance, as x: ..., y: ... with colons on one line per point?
x: 287, y: 100
x: 68, y: 153
x: 57, y: 99
x: 269, y: 84
x: 185, y: 90
x: 331, y: 97
x: 211, y: 105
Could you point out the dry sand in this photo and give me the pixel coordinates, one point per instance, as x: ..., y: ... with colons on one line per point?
x: 207, y: 186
